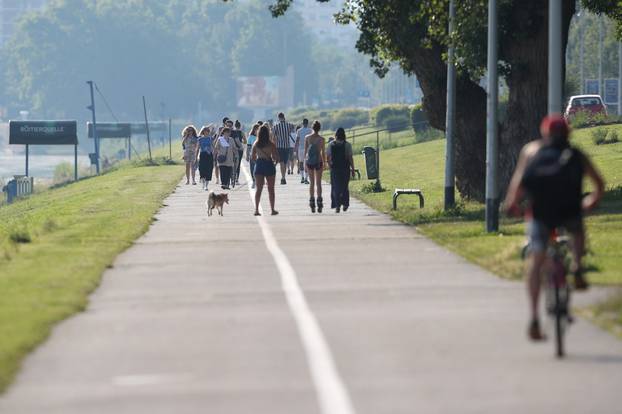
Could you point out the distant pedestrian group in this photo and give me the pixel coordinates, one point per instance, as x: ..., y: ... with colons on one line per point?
x: 219, y: 151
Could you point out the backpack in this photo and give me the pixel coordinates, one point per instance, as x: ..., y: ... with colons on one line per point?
x: 313, y: 154
x: 553, y: 181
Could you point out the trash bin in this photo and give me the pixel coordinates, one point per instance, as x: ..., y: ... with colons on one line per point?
x: 371, y: 163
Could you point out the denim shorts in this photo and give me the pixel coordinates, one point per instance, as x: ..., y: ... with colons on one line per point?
x: 539, y: 233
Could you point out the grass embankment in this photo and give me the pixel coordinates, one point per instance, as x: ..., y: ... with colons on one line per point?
x: 462, y: 231
x: 55, y: 245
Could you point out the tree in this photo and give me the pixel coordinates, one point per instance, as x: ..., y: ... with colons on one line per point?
x: 413, y: 33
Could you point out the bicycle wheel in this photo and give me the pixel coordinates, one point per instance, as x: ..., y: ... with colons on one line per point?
x: 560, y: 316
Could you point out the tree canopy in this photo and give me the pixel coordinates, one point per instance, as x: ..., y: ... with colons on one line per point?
x: 413, y: 34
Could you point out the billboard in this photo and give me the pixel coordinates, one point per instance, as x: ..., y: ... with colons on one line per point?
x: 258, y: 91
x: 611, y: 91
x: 109, y: 130
x: 43, y: 132
x: 591, y: 87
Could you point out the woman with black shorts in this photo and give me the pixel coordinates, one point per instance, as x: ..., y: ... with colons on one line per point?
x: 265, y: 155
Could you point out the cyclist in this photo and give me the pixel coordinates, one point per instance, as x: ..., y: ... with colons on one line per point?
x: 549, y: 173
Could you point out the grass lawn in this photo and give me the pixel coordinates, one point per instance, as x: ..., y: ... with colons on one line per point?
x: 55, y: 245
x: 462, y: 231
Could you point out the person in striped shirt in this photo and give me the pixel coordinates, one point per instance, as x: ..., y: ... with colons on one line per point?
x: 282, y: 131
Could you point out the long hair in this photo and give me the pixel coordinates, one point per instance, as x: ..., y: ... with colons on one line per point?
x: 263, y: 137
x: 188, y: 129
x: 206, y: 131
x: 254, y: 129
x: 340, y: 134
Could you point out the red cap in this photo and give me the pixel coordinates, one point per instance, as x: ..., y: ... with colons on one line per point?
x: 554, y: 126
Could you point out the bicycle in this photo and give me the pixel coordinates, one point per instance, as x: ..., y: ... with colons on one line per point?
x: 557, y: 291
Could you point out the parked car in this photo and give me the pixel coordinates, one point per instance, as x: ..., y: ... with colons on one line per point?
x: 591, y: 105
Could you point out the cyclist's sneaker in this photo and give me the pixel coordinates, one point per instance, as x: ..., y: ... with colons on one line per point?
x: 535, y: 332
x: 580, y: 282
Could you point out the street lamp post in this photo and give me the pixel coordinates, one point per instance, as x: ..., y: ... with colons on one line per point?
x: 555, y: 57
x: 450, y: 115
x: 95, y: 135
x: 492, y: 144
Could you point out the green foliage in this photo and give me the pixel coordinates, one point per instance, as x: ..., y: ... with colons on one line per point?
x: 380, y: 113
x: 396, y: 123
x: 602, y: 136
x: 349, y: 117
x: 418, y: 118
x: 599, y: 136
x: 175, y: 52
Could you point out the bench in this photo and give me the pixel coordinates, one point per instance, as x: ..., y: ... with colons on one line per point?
x: 400, y: 191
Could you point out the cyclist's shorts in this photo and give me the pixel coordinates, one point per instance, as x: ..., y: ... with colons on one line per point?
x: 539, y: 233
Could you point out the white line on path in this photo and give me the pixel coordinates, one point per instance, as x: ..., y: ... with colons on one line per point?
x: 332, y: 394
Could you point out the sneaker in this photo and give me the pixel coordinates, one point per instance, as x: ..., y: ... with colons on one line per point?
x: 337, y: 210
x: 253, y: 185
x: 534, y: 332
x: 283, y: 182
x: 345, y: 208
x: 306, y: 181
x: 302, y: 181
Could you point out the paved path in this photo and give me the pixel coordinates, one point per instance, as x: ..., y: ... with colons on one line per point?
x: 304, y: 313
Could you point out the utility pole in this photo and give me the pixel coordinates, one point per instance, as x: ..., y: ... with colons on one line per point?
x: 450, y: 200
x: 620, y: 78
x: 581, y: 23
x: 492, y: 139
x: 147, y: 128
x: 601, y: 35
x: 555, y: 91
x: 95, y: 136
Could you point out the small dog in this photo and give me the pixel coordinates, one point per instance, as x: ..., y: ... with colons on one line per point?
x: 216, y: 200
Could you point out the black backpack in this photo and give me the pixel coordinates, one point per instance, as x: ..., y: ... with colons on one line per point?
x: 553, y: 181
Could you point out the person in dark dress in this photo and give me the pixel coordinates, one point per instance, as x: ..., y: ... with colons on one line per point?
x: 339, y: 154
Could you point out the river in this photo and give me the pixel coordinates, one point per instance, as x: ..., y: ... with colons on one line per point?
x: 41, y: 166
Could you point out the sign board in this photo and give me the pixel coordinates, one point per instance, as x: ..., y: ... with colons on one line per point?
x: 591, y: 87
x: 139, y: 128
x: 611, y: 91
x: 258, y: 91
x: 109, y: 130
x: 43, y: 132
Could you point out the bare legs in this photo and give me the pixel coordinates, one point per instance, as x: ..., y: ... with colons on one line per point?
x: 259, y: 182
x: 190, y: 172
x: 315, y: 181
x: 535, y: 263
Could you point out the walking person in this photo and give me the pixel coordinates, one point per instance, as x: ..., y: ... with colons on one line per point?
x: 265, y: 155
x: 252, y: 137
x: 282, y: 131
x: 339, y: 154
x: 292, y: 151
x: 206, y: 155
x: 225, y: 150
x: 300, y: 150
x: 240, y: 141
x: 315, y: 160
x: 190, y: 144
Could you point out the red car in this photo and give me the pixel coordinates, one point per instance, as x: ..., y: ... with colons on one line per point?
x: 590, y: 104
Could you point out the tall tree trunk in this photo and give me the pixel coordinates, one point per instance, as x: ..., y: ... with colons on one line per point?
x: 470, y: 140
x: 527, y: 79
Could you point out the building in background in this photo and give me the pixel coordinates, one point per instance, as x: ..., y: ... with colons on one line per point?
x: 11, y: 11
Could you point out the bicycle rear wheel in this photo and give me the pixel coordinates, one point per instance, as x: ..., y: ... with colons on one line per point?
x: 560, y: 316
